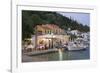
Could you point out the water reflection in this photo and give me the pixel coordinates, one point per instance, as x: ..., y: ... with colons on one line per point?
x: 58, y: 56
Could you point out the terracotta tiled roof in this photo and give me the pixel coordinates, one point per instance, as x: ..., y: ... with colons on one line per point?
x: 50, y: 26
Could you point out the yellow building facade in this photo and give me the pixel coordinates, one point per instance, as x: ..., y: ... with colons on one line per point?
x: 50, y: 35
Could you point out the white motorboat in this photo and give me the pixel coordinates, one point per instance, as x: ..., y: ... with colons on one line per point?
x: 75, y: 46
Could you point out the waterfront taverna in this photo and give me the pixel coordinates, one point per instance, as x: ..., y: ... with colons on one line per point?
x: 49, y: 36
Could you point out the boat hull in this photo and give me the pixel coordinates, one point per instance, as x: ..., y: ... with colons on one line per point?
x: 75, y: 48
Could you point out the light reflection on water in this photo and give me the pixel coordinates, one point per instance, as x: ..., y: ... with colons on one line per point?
x: 57, y: 56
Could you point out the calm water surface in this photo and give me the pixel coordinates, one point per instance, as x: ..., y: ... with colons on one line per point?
x: 56, y: 56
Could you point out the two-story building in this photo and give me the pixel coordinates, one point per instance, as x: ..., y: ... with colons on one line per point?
x: 50, y: 35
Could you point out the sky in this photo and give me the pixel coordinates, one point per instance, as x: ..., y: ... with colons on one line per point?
x: 83, y: 18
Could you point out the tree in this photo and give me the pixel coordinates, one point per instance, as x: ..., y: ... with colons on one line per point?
x: 31, y: 18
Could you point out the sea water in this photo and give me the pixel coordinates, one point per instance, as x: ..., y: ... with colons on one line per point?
x: 60, y: 55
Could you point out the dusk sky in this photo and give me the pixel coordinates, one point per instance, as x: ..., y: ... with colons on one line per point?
x: 83, y: 18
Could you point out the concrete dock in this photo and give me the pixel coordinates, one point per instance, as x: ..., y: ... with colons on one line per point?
x: 41, y: 52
